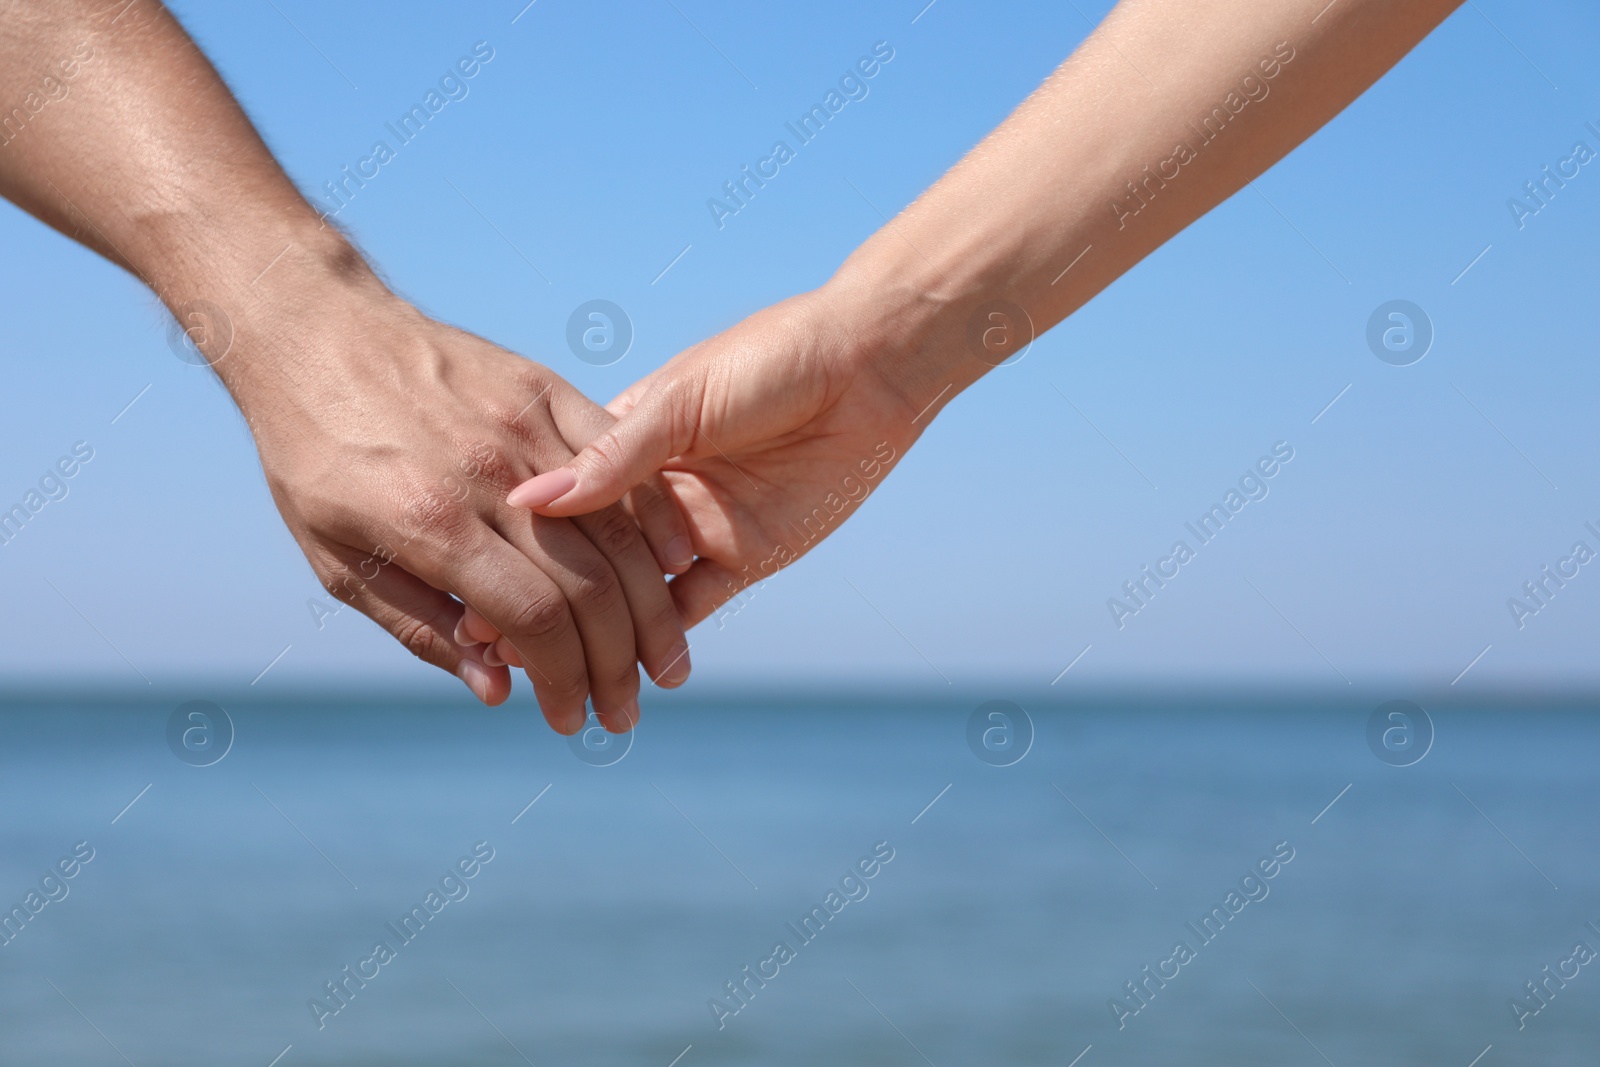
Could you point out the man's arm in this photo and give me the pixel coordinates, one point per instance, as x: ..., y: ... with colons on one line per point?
x: 387, y: 438
x: 143, y: 155
x: 1165, y: 111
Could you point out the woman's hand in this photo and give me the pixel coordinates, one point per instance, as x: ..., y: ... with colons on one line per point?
x: 770, y: 435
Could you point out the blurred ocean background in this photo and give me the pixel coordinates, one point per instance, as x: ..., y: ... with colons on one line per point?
x: 1175, y: 755
x: 1019, y: 901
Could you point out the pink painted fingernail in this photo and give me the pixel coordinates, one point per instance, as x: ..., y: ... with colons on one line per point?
x: 477, y: 678
x: 544, y: 489
x: 679, y: 552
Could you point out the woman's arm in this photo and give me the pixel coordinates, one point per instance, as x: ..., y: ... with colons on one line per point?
x: 1165, y: 111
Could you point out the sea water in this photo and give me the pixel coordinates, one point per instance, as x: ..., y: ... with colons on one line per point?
x: 1021, y: 908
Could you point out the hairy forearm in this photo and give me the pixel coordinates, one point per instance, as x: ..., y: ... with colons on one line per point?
x: 1164, y: 112
x: 117, y: 131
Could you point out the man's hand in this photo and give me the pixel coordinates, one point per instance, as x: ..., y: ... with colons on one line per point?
x: 389, y: 441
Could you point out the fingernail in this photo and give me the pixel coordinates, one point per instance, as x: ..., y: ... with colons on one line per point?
x: 544, y: 489
x: 492, y: 657
x: 677, y: 668
x: 477, y: 678
x: 572, y: 721
x: 625, y: 717
x: 461, y: 633
x: 506, y: 652
x: 679, y: 552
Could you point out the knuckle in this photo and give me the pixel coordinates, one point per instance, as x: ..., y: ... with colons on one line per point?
x: 508, y: 416
x: 429, y: 513
x: 573, y: 685
x: 565, y: 679
x: 664, y: 619
x: 625, y: 679
x: 326, y: 570
x: 615, y: 533
x: 682, y: 398
x: 489, y: 466
x: 419, y: 639
x: 649, y: 502
x: 595, y: 584
x: 339, y: 589
x: 527, y: 402
x: 541, y: 616
x: 338, y: 581
x: 604, y: 453
x: 533, y: 381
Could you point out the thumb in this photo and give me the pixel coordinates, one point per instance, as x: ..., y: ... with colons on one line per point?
x: 625, y: 401
x: 676, y: 368
x: 621, y: 457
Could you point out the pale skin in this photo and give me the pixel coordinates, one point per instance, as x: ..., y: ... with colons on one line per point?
x: 388, y: 439
x: 756, y: 427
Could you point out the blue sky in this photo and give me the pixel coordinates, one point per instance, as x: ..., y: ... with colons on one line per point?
x: 1386, y: 551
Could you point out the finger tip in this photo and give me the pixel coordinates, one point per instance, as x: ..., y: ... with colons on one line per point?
x: 491, y: 685
x: 500, y: 689
x: 620, y: 720
x: 679, y: 554
x: 676, y: 668
x: 566, y: 723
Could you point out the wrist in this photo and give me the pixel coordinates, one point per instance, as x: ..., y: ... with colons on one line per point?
x: 258, y: 309
x: 927, y: 332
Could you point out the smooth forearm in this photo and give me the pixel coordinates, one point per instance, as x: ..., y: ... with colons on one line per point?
x: 1163, y: 113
